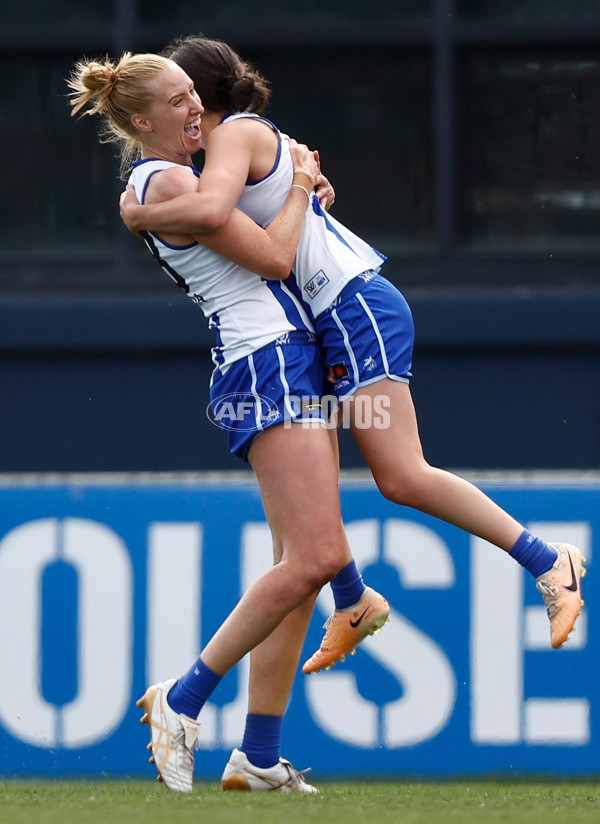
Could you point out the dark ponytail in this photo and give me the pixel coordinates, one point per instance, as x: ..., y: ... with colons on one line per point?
x: 223, y: 80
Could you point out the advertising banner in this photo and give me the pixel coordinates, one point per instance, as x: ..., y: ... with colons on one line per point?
x: 108, y: 586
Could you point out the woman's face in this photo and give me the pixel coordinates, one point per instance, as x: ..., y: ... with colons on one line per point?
x: 172, y: 125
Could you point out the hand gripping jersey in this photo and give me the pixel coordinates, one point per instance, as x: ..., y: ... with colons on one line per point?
x: 329, y: 255
x: 246, y: 311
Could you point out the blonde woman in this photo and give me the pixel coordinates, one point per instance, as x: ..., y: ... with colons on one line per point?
x: 265, y: 345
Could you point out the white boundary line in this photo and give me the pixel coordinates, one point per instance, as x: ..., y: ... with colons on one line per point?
x: 349, y: 477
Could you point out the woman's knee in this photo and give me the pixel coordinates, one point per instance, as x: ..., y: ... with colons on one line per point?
x: 315, y: 569
x: 405, y: 488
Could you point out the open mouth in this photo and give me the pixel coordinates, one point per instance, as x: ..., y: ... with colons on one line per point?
x: 193, y: 129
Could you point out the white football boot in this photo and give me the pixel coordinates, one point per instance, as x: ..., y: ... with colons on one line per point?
x: 240, y: 774
x: 173, y: 737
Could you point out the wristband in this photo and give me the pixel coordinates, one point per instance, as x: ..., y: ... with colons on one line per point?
x: 304, y: 189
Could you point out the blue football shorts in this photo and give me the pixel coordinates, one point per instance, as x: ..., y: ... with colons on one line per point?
x: 366, y: 335
x: 281, y: 382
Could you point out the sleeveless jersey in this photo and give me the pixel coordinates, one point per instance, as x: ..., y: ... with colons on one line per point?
x: 246, y: 311
x: 329, y: 254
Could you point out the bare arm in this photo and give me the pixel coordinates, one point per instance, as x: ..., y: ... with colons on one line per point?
x: 200, y: 209
x: 182, y: 214
x: 179, y: 213
x: 231, y: 149
x: 268, y: 252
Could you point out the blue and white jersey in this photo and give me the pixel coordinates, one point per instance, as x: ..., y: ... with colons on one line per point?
x: 329, y: 254
x: 246, y: 311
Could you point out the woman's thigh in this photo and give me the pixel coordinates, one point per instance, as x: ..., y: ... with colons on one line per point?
x: 297, y: 473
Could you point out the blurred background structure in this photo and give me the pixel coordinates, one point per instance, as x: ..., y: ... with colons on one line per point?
x: 463, y: 139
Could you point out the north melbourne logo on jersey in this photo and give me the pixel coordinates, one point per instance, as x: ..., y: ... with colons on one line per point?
x: 367, y: 276
x: 316, y: 283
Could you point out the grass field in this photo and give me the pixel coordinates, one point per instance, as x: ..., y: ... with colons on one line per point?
x: 113, y: 802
